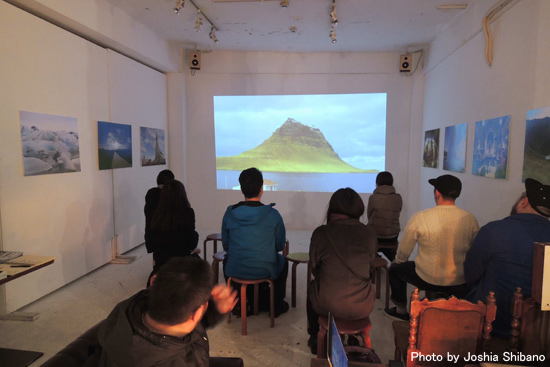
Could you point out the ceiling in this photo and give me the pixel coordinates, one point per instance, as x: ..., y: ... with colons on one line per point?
x: 304, y: 26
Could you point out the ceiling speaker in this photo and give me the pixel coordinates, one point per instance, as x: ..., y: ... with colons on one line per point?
x: 195, y: 62
x: 405, y: 63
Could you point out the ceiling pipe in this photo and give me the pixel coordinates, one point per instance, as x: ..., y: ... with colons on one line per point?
x: 490, y: 16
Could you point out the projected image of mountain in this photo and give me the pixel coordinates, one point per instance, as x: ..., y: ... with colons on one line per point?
x: 293, y: 147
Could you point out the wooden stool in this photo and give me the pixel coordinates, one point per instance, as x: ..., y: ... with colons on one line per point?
x: 217, y: 258
x: 212, y: 237
x: 256, y: 282
x: 377, y: 264
x: 298, y: 258
x: 345, y: 327
x: 389, y: 245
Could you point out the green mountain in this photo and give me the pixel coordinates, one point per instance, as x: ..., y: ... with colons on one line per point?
x: 293, y: 147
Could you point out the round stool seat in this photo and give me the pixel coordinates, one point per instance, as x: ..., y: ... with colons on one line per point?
x: 348, y: 327
x: 345, y: 327
x: 217, y: 258
x: 244, y: 283
x: 300, y: 257
x: 215, y: 237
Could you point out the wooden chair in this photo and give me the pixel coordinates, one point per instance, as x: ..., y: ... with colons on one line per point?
x: 444, y: 326
x: 392, y: 246
x: 530, y: 326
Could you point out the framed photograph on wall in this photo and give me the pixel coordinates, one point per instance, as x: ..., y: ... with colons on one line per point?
x: 491, y: 143
x: 114, y: 145
x: 430, y: 157
x: 536, y: 156
x: 454, y: 150
x: 50, y: 144
x: 153, y: 146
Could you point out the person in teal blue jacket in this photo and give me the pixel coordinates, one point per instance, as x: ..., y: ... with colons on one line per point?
x: 253, y: 234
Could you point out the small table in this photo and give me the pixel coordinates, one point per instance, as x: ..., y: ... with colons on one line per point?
x: 14, y: 269
x: 22, y: 265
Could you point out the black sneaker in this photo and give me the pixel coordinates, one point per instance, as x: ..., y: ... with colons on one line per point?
x: 393, y: 314
x: 312, y: 344
x: 281, y: 310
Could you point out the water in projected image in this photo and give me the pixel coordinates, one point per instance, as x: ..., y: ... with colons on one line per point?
x: 301, y: 143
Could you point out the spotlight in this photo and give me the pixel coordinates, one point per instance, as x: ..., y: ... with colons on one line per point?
x: 198, y: 22
x: 180, y: 4
x: 333, y: 14
x: 213, y: 34
x: 332, y: 35
x: 284, y: 4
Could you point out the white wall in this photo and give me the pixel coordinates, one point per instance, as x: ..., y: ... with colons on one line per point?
x: 462, y: 88
x: 249, y: 73
x: 72, y: 216
x: 106, y: 25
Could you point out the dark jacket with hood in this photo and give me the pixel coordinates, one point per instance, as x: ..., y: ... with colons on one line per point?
x: 383, y: 211
x: 126, y: 342
x: 252, y: 235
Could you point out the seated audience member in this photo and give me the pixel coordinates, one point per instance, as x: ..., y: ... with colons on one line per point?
x: 164, y: 325
x: 339, y: 255
x: 383, y: 212
x: 172, y: 231
x: 444, y: 234
x: 152, y: 197
x: 252, y: 235
x: 501, y: 257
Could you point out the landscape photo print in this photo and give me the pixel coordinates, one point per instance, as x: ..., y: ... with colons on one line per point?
x: 536, y: 157
x: 50, y: 144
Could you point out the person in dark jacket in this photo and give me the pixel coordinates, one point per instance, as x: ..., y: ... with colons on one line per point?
x: 152, y: 197
x: 501, y: 256
x: 172, y: 231
x: 165, y: 325
x: 383, y: 212
x: 340, y: 254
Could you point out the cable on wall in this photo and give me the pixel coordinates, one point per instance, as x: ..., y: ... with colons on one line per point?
x: 489, y: 17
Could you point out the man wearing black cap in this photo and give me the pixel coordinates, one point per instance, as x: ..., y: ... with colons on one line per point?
x: 444, y: 234
x: 501, y: 257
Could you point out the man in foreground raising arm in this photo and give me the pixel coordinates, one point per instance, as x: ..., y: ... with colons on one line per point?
x: 164, y: 325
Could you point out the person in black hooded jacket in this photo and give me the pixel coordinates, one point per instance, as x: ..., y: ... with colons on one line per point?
x: 165, y: 325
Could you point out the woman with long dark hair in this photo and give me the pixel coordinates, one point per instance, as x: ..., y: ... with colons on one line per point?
x: 340, y: 254
x: 172, y: 231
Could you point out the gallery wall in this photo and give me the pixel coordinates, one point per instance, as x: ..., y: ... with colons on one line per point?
x: 71, y: 216
x: 251, y: 73
x: 463, y: 88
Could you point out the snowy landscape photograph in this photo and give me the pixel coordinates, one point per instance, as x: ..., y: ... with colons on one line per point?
x: 49, y: 144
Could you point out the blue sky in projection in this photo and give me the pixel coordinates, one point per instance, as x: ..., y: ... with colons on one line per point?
x: 354, y: 124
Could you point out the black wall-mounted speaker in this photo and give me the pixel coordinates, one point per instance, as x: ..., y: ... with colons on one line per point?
x: 405, y: 63
x: 195, y: 62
